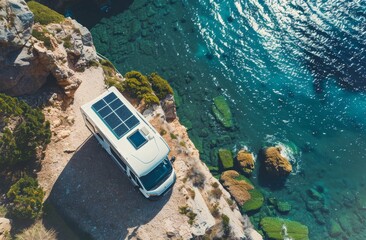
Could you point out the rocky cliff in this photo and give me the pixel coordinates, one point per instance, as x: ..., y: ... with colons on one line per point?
x: 31, y: 53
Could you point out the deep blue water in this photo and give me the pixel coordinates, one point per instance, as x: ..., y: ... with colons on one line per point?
x: 294, y: 73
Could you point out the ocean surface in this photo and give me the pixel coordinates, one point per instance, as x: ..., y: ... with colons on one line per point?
x: 294, y: 74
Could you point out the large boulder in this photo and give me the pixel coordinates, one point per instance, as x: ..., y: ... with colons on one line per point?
x: 279, y: 229
x: 237, y: 185
x: 275, y: 164
x: 245, y: 160
x: 31, y: 53
x: 16, y: 22
x: 169, y: 107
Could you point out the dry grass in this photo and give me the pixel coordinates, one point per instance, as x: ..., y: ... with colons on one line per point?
x: 37, y: 232
x: 197, y: 177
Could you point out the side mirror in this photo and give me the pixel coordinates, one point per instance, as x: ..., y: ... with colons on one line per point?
x: 172, y: 159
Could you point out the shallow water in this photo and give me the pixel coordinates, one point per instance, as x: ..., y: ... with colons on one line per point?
x: 286, y: 69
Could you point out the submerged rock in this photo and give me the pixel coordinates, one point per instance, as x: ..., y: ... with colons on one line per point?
x: 334, y: 229
x: 279, y: 229
x: 226, y: 159
x: 221, y: 110
x: 255, y: 202
x: 283, y: 207
x: 275, y: 164
x: 246, y: 161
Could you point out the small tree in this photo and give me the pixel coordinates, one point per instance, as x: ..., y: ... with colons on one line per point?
x: 26, y: 198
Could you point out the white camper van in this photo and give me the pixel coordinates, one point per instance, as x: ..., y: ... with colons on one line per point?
x: 132, y: 142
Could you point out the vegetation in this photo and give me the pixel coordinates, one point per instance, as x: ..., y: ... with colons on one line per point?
x: 197, y: 177
x: 41, y: 35
x: 226, y: 225
x: 37, y: 231
x: 24, y: 132
x: 226, y: 158
x: 185, y: 210
x: 139, y: 86
x: 278, y: 228
x: 67, y: 42
x: 26, y: 198
x: 215, y: 210
x: 216, y: 193
x: 110, y: 75
x: 222, y: 112
x: 160, y: 86
x: 43, y: 14
x: 173, y: 136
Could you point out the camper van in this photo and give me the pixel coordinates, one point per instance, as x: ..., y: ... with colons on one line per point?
x: 131, y: 141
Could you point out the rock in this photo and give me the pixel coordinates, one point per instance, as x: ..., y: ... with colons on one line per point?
x: 279, y: 229
x: 246, y: 160
x: 313, y: 206
x: 226, y: 158
x: 27, y: 62
x: 169, y: 108
x: 63, y: 134
x: 16, y: 22
x: 5, y: 228
x: 237, y: 185
x: 275, y: 164
x: 255, y: 202
x: 283, y: 207
x: 221, y: 111
x: 334, y: 229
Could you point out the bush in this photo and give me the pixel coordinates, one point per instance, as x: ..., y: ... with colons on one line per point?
x: 43, y: 14
x: 42, y: 37
x: 216, y: 193
x: 67, y: 42
x: 226, y: 225
x: 26, y: 197
x: 160, y: 86
x: 24, y: 130
x: 197, y: 177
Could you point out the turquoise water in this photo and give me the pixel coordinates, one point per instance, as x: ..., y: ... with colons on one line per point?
x: 294, y: 74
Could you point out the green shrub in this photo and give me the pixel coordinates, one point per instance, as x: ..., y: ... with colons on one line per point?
x: 26, y: 197
x: 160, y: 86
x: 42, y: 37
x: 23, y: 131
x: 226, y: 225
x: 67, y: 42
x: 43, y: 14
x: 216, y: 193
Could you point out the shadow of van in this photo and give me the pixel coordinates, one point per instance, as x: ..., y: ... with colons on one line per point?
x: 97, y: 199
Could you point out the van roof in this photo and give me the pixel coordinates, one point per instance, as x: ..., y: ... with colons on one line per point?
x: 127, y: 131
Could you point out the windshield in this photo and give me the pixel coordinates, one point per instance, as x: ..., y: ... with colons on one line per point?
x: 158, y: 175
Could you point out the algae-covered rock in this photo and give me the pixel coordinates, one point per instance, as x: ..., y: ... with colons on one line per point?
x: 237, y: 185
x: 334, y: 229
x: 226, y: 158
x: 275, y: 164
x: 255, y: 202
x: 279, y: 229
x: 245, y: 160
x: 283, y: 207
x: 222, y: 112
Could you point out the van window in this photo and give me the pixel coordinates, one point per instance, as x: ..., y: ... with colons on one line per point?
x: 100, y: 136
x: 120, y: 161
x: 135, y: 179
x: 89, y: 125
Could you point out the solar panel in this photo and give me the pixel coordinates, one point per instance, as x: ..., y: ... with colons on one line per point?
x: 119, y: 119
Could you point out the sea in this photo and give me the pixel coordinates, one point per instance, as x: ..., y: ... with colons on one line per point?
x: 294, y: 75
